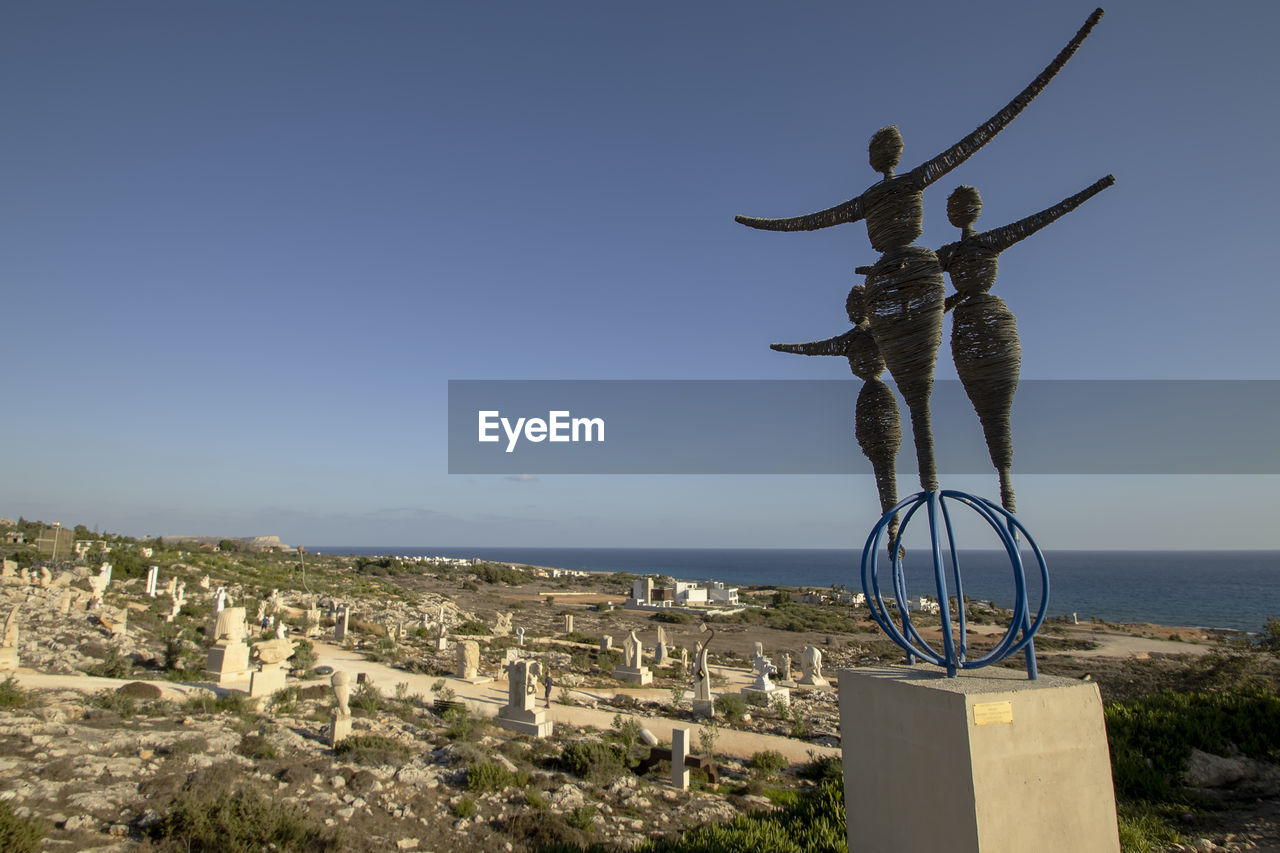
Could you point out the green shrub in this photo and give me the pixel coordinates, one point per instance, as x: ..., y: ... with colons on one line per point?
x: 1269, y: 639
x: 114, y: 665
x: 20, y: 834
x: 466, y: 807
x: 731, y: 706
x: 372, y: 750
x: 304, y: 655
x: 1152, y: 737
x: 257, y: 748
x: 286, y: 701
x: 800, y: 728
x: 12, y: 695
x: 1144, y: 830
x: 823, y: 769
x: 672, y: 617
x: 231, y: 702
x: 626, y: 732
x: 243, y: 820
x: 117, y: 703
x: 490, y: 776
x: 812, y: 823
x: 769, y: 762
x: 594, y: 760
x: 472, y: 627
x: 459, y: 725
x: 366, y: 698
x: 581, y: 818
x: 534, y: 800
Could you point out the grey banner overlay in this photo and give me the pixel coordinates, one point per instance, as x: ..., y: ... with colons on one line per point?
x: 806, y: 427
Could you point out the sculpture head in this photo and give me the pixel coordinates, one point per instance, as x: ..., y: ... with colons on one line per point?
x: 885, y: 150
x: 964, y: 206
x: 855, y: 305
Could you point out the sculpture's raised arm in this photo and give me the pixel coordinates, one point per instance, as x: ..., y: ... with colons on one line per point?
x: 849, y: 211
x: 999, y: 239
x: 831, y: 346
x: 929, y: 172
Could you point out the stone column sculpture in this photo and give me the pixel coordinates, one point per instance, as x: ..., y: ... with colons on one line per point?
x: 469, y: 663
x: 703, y: 704
x: 340, y: 722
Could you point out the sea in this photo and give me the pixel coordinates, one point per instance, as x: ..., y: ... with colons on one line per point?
x: 1238, y: 590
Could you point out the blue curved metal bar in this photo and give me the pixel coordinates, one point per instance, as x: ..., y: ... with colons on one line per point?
x: 961, y: 617
x: 954, y: 657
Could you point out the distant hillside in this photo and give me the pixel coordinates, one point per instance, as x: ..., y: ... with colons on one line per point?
x: 248, y: 543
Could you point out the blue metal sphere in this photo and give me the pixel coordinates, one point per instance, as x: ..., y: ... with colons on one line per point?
x: 1008, y: 529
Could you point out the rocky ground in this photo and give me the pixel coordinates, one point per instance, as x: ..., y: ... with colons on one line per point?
x: 106, y: 761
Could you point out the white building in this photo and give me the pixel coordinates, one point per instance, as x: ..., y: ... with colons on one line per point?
x: 718, y: 593
x: 688, y: 593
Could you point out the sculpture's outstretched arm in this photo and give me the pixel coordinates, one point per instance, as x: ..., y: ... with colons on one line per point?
x: 929, y: 172
x: 999, y: 239
x: 951, y: 301
x: 850, y: 211
x: 831, y: 346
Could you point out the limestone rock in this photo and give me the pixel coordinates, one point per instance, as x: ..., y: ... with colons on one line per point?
x: 1214, y: 771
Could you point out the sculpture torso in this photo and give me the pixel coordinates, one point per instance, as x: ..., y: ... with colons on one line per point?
x: 894, y: 210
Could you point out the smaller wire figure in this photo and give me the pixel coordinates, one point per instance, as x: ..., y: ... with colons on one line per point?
x: 984, y: 332
x: 877, y: 423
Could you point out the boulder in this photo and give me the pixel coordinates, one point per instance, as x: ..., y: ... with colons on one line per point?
x: 1214, y: 771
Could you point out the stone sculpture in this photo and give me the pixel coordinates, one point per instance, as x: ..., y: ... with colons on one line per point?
x: 469, y: 663
x: 811, y: 668
x: 632, y: 668
x: 228, y: 659
x: 660, y: 653
x: 521, y: 713
x: 340, y: 721
x: 703, y: 704
x: 9, y: 642
x: 502, y: 628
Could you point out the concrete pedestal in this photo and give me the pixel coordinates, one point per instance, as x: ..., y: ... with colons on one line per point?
x: 267, y: 681
x: 228, y: 662
x: 473, y: 679
x: 441, y: 644
x: 986, y: 762
x: 705, y: 708
x: 767, y: 698
x: 642, y: 675
x: 533, y: 723
x: 812, y: 682
x: 339, y: 727
x: 8, y: 659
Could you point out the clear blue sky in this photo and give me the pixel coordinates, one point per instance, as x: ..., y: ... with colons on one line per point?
x: 246, y: 245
